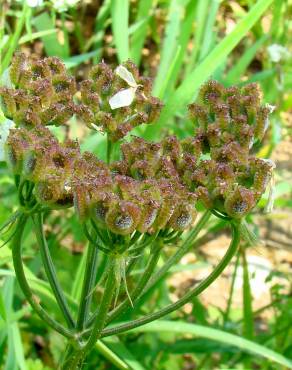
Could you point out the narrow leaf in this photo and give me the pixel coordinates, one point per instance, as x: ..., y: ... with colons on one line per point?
x: 120, y: 19
x: 220, y: 336
x: 187, y: 90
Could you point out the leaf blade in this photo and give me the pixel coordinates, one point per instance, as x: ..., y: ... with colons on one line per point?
x: 217, y: 335
x: 186, y: 91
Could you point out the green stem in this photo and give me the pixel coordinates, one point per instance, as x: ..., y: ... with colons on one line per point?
x: 248, y: 328
x: 174, y: 259
x: 21, y: 278
x: 75, y: 361
x: 187, y: 297
x: 104, y: 308
x: 88, y: 285
x: 230, y: 296
x: 50, y: 270
x: 139, y: 287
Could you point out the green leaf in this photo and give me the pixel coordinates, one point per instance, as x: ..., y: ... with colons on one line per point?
x: 183, y: 42
x: 78, y: 281
x: 114, y: 344
x: 36, y: 35
x: 138, y: 38
x: 170, y: 47
x: 111, y: 356
x: 15, y: 353
x: 186, y: 91
x: 210, y: 33
x: 14, y: 336
x: 75, y: 60
x: 200, y: 22
x: 13, y: 40
x: 243, y: 62
x: 53, y: 47
x: 120, y: 19
x: 216, y: 335
x: 101, y: 21
x: 2, y: 307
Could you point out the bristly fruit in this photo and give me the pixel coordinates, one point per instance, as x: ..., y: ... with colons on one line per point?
x: 154, y: 186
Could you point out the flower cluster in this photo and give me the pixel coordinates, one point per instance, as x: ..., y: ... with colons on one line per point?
x: 113, y: 101
x: 228, y: 121
x: 63, y: 176
x: 42, y: 93
x: 155, y: 186
x: 116, y: 101
x: 38, y: 157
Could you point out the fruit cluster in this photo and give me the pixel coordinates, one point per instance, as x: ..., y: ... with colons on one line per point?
x: 154, y: 186
x: 113, y: 101
x: 42, y: 93
x: 116, y: 101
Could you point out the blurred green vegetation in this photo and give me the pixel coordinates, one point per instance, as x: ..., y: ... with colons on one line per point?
x: 181, y: 43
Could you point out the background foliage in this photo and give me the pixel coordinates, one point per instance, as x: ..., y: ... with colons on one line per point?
x: 181, y: 43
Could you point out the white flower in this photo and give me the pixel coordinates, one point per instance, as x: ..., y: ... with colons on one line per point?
x: 63, y: 5
x: 278, y: 52
x: 34, y: 3
x: 124, y: 97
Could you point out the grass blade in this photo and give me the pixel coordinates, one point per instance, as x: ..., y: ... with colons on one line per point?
x: 52, y: 46
x: 75, y: 60
x: 104, y: 350
x: 169, y: 48
x: 123, y: 352
x: 200, y: 20
x: 238, y: 70
x: 186, y: 91
x: 14, y: 334
x: 13, y: 41
x: 120, y: 20
x: 209, y: 29
x: 186, y: 31
x: 15, y: 352
x: 36, y: 35
x: 216, y: 335
x: 138, y: 39
x: 99, y: 28
x: 78, y: 281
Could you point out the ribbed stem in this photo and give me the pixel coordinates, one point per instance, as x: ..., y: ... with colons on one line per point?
x: 182, y: 250
x: 88, y: 285
x: 188, y: 296
x: 51, y: 271
x: 75, y: 361
x: 139, y: 287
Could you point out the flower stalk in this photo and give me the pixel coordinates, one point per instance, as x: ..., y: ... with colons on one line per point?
x: 130, y: 209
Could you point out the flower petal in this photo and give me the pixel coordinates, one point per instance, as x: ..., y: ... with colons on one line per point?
x: 126, y: 75
x: 123, y: 98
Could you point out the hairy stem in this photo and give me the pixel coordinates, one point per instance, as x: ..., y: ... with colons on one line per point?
x: 188, y: 296
x: 51, y: 271
x: 182, y: 250
x: 77, y: 358
x: 139, y: 287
